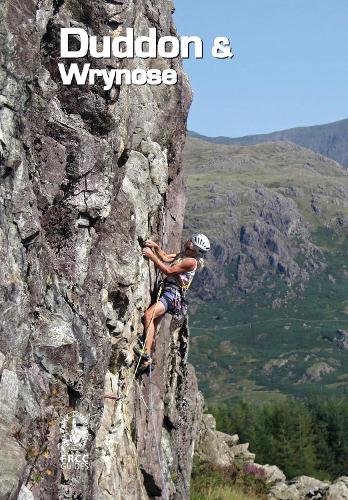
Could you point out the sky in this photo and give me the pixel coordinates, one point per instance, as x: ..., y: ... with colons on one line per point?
x: 290, y: 66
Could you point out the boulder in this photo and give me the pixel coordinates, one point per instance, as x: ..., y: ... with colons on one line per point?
x: 272, y: 473
x: 282, y: 491
x: 308, y: 485
x: 338, y: 490
x: 213, y: 446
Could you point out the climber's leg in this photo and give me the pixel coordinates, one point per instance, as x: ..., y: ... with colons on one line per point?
x: 150, y: 320
x: 157, y: 322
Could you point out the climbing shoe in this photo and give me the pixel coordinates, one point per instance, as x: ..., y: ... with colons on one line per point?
x: 145, y: 368
x: 141, y: 353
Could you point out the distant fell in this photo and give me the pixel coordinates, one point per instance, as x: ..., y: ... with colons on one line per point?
x: 330, y: 139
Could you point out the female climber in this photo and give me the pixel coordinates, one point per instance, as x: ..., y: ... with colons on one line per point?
x: 179, y: 270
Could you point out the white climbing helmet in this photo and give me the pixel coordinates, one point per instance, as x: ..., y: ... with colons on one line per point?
x: 201, y: 242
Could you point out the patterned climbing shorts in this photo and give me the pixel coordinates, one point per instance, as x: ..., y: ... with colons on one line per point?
x: 173, y: 302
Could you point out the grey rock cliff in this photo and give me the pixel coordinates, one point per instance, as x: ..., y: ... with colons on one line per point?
x: 84, y: 176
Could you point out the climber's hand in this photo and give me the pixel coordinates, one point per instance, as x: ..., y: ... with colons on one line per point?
x: 151, y: 244
x: 147, y: 252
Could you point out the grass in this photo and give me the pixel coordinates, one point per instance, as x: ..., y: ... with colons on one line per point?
x: 212, y: 482
x: 221, y: 493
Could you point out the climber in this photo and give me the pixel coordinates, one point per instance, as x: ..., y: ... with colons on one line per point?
x: 179, y: 270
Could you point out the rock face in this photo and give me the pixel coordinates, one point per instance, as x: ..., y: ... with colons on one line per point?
x: 214, y: 446
x: 85, y: 177
x: 338, y: 489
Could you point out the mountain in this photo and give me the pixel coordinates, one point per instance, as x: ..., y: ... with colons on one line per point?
x: 271, y: 304
x: 329, y: 140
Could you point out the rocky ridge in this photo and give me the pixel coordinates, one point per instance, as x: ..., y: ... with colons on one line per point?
x: 329, y: 139
x: 86, y: 176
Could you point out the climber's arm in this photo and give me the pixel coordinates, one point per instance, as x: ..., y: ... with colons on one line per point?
x: 165, y: 257
x: 183, y: 266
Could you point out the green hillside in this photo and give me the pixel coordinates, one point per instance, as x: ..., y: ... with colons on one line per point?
x: 275, y: 287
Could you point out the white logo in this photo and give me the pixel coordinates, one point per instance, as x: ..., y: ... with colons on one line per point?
x: 74, y: 430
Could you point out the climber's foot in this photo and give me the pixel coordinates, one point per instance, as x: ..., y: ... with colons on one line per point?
x: 142, y: 353
x: 145, y: 367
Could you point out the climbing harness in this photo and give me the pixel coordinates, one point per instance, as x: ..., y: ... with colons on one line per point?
x: 174, y: 300
x: 176, y: 293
